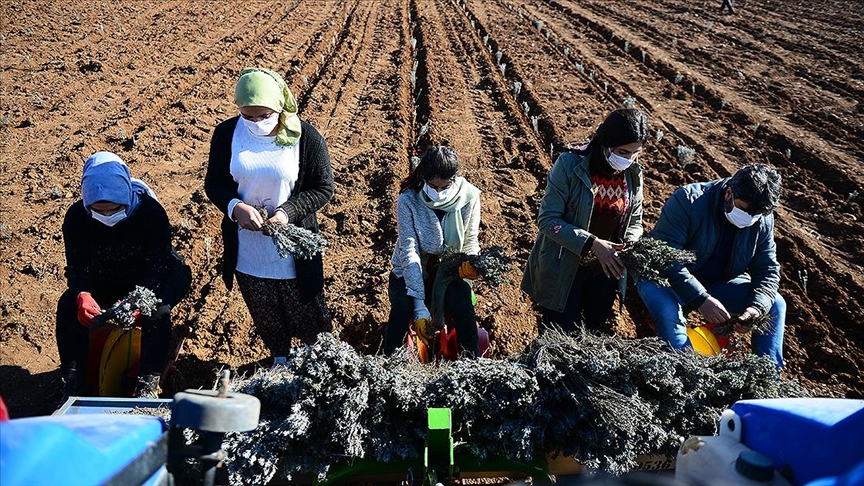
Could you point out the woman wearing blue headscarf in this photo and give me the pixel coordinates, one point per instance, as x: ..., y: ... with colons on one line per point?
x: 116, y: 238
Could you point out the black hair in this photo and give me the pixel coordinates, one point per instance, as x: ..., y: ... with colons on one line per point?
x: 621, y: 127
x: 437, y: 162
x: 759, y: 185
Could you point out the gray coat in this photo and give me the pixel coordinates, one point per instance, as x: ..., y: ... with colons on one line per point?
x: 420, y: 234
x: 563, y: 220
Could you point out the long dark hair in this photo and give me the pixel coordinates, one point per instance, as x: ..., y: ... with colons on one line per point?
x: 622, y: 126
x: 438, y: 161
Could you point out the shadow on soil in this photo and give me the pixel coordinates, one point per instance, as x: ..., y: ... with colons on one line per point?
x: 19, y: 390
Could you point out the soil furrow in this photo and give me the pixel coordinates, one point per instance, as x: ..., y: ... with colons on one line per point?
x: 363, y: 115
x: 471, y: 109
x: 714, y: 47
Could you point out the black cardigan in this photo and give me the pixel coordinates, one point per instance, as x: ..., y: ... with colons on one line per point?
x: 313, y: 190
x: 135, y: 251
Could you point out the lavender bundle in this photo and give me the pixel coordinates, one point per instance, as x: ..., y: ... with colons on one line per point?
x: 648, y: 259
x: 122, y: 313
x: 759, y: 325
x: 491, y: 265
x: 295, y: 241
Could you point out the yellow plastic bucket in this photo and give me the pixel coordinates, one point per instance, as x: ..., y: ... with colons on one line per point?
x: 703, y: 340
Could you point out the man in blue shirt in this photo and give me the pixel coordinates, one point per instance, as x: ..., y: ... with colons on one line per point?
x: 729, y: 224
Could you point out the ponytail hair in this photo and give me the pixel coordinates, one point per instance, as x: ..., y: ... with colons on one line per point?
x: 437, y: 162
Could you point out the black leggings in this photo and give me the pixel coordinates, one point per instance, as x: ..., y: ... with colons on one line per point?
x: 589, y: 303
x: 457, y: 301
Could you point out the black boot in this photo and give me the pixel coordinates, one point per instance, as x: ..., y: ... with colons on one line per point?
x: 71, y: 385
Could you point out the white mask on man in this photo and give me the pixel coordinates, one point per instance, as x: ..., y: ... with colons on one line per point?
x: 263, y: 127
x: 109, y: 220
x: 741, y: 218
x: 438, y: 196
x: 618, y: 162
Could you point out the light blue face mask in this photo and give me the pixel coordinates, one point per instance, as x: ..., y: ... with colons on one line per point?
x: 741, y: 218
x: 109, y: 220
x: 618, y: 162
x: 438, y: 196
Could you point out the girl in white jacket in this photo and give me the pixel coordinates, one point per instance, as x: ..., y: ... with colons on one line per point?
x: 436, y: 209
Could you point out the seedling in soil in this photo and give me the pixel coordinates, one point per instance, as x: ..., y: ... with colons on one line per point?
x: 679, y: 78
x: 788, y: 154
x: 423, y: 131
x: 534, y: 124
x: 686, y: 156
x: 498, y: 57
x: 659, y: 135
x: 517, y: 87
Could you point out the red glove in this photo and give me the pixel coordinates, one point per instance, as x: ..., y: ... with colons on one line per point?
x: 87, y: 309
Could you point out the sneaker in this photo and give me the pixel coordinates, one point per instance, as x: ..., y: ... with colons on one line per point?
x: 279, y: 361
x: 147, y: 386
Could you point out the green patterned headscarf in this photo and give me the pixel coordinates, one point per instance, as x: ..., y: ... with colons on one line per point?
x: 263, y: 87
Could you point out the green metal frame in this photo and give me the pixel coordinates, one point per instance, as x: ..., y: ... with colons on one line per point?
x: 440, y: 463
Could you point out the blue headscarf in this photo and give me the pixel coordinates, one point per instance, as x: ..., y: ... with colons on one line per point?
x: 107, y: 178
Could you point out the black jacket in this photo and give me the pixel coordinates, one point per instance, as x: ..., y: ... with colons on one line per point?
x: 313, y: 190
x: 135, y: 251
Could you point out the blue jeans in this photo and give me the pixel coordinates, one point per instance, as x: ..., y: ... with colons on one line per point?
x: 669, y: 314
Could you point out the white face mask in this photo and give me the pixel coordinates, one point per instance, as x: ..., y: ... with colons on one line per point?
x: 618, y: 162
x: 741, y: 218
x: 438, y: 196
x: 109, y: 220
x: 262, y: 128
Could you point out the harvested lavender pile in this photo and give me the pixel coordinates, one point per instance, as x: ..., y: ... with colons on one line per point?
x: 602, y: 399
x: 295, y: 241
x: 122, y: 313
x: 649, y: 258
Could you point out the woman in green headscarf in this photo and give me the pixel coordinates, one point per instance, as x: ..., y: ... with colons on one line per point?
x: 268, y: 159
x: 436, y: 210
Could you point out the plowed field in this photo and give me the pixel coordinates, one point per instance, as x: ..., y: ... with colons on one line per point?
x: 506, y: 83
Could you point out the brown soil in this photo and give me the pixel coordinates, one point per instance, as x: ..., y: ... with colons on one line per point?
x: 779, y: 82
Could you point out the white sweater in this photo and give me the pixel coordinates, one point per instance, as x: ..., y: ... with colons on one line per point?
x: 420, y: 234
x: 265, y: 174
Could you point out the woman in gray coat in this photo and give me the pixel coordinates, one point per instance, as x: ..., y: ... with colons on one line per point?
x: 592, y: 205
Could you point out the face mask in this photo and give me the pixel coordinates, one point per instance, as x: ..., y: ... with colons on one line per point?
x: 741, y: 218
x: 618, y: 162
x: 261, y: 128
x: 436, y: 195
x: 109, y: 220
